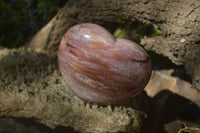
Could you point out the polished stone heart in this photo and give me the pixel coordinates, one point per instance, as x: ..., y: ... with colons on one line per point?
x: 100, y: 68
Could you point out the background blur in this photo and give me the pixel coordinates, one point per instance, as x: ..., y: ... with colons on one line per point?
x: 21, y: 19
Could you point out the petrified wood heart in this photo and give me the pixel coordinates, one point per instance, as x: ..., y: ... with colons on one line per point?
x: 100, y: 68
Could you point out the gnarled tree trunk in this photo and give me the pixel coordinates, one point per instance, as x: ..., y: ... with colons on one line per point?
x: 179, y: 19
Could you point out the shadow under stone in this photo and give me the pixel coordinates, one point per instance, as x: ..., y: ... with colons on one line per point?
x: 167, y: 108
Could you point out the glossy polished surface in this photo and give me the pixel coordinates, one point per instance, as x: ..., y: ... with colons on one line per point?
x: 100, y: 68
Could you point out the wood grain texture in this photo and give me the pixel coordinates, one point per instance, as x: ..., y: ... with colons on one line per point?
x: 178, y: 19
x: 31, y: 87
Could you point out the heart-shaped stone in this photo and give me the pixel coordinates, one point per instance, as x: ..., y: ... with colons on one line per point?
x: 100, y: 68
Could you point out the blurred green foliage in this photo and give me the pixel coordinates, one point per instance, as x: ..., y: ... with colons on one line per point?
x: 124, y: 29
x: 149, y: 30
x: 21, y: 19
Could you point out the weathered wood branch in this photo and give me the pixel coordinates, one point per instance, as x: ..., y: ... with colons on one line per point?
x: 179, y: 19
x: 31, y: 87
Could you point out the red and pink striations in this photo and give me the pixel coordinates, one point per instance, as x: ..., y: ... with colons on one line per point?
x: 100, y: 68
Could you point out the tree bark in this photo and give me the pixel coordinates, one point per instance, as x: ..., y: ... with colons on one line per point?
x: 31, y: 87
x: 179, y: 19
